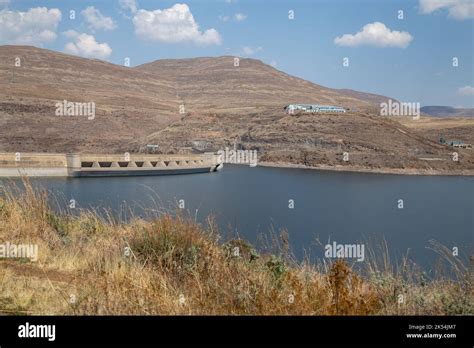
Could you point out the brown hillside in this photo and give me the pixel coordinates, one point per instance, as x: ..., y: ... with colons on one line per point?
x: 216, y: 84
x: 223, y: 104
x: 129, y: 102
x: 132, y: 103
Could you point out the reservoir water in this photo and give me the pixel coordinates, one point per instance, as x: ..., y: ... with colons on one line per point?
x: 314, y: 207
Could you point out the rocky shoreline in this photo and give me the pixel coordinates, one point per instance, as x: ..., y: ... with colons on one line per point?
x: 362, y: 169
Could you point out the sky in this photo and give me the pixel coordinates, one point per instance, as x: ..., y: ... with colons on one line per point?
x: 412, y: 50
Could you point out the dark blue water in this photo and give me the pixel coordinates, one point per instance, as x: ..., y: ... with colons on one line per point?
x: 328, y: 206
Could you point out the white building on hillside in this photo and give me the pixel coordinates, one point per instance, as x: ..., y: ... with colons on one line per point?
x: 292, y: 108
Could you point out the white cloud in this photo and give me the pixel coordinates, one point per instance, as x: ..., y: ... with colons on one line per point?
x: 250, y: 51
x: 129, y: 5
x: 4, y: 2
x: 224, y: 18
x: 34, y: 27
x: 428, y: 6
x: 466, y: 90
x: 457, y: 9
x: 70, y: 34
x: 97, y: 20
x: 240, y: 17
x: 86, y: 46
x: 375, y: 34
x: 172, y: 25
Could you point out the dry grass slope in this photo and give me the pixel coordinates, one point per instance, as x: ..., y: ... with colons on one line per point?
x: 171, y: 265
x: 132, y: 103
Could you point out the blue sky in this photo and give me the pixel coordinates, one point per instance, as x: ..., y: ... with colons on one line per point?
x: 410, y: 59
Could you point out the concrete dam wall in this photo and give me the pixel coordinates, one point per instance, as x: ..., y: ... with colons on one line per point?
x: 86, y: 165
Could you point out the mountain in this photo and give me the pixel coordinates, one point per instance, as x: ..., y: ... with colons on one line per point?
x: 132, y: 103
x: 217, y: 84
x: 447, y: 111
x: 205, y: 104
x: 129, y: 102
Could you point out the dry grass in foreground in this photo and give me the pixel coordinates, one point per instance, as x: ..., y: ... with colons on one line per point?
x: 171, y: 265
